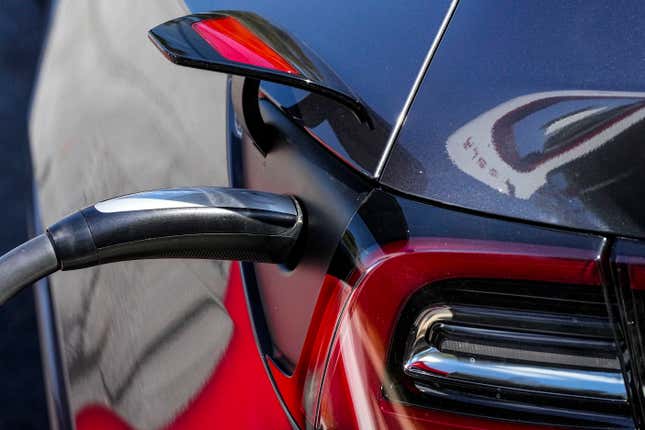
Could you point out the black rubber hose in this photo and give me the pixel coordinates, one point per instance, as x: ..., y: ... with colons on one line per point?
x: 25, y: 265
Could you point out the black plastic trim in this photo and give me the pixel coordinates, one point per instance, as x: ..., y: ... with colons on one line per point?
x: 181, y: 45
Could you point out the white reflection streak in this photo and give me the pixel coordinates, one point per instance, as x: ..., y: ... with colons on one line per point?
x: 362, y: 342
x: 127, y: 204
x: 571, y: 119
x: 355, y: 378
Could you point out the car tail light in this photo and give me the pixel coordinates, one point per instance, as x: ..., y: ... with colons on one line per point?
x: 435, y: 318
x: 461, y: 321
x: 512, y: 347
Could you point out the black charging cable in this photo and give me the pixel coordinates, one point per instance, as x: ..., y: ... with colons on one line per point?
x: 205, y: 222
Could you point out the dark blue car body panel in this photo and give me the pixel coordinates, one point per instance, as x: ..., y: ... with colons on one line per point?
x: 550, y: 96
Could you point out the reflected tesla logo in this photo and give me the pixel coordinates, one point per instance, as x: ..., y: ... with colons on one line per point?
x: 514, y: 146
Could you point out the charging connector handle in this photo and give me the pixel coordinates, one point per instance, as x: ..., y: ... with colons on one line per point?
x: 202, y: 222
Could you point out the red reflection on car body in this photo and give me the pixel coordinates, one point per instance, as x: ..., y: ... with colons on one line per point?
x: 99, y: 417
x: 235, y: 42
x: 238, y: 393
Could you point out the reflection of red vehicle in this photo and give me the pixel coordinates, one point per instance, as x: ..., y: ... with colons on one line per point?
x: 571, y: 125
x: 226, y: 387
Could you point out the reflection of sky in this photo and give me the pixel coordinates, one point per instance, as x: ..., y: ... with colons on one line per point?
x: 289, y: 96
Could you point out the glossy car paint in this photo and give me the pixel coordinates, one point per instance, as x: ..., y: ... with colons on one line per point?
x: 297, y: 315
x: 386, y: 266
x: 361, y: 43
x: 114, y: 327
x: 536, y: 111
x: 322, y: 179
x: 301, y: 345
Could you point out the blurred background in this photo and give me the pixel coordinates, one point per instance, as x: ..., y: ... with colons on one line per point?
x: 23, y: 25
